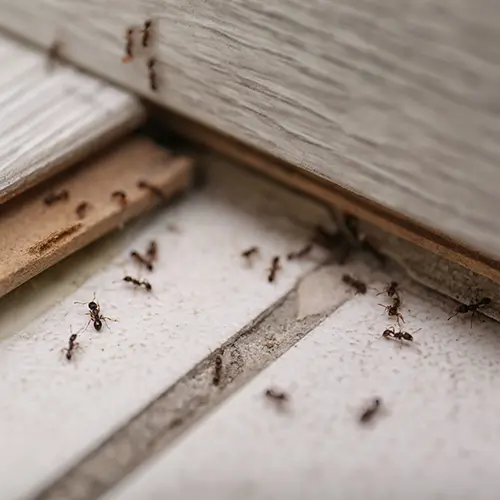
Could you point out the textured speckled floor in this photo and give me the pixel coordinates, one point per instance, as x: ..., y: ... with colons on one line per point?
x: 435, y: 437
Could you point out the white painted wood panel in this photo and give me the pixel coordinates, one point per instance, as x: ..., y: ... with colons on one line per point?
x: 52, y: 412
x: 53, y: 115
x: 396, y: 100
x: 436, y: 435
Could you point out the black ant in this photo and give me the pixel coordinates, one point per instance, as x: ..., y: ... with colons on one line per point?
x: 332, y: 241
x: 326, y: 239
x: 138, y: 283
x: 72, y: 346
x: 152, y: 251
x: 300, y: 253
x: 251, y: 252
x: 357, y: 284
x: 279, y: 398
x: 155, y: 190
x: 54, y: 54
x: 120, y: 196
x: 217, y: 370
x: 153, y: 83
x: 392, y: 310
x: 391, y: 333
x: 473, y: 308
x: 146, y: 34
x: 141, y: 260
x: 391, y: 289
x: 275, y: 267
x: 95, y: 314
x: 52, y: 198
x: 368, y: 414
x: 81, y: 209
x: 129, y: 37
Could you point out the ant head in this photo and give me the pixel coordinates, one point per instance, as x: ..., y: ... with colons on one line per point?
x: 97, y: 324
x: 394, y: 284
x: 93, y: 305
x: 485, y: 301
x: 72, y: 337
x: 128, y: 279
x: 407, y: 336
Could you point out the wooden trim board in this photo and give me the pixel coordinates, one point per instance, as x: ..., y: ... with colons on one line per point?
x: 53, y: 116
x: 34, y: 236
x: 332, y: 195
x: 395, y: 101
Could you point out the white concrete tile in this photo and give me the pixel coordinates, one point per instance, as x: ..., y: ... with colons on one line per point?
x: 436, y: 439
x: 52, y: 412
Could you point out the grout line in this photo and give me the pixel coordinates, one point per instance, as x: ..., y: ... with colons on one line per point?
x: 192, y: 397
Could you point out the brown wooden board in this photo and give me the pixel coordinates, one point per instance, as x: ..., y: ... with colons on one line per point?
x: 34, y: 236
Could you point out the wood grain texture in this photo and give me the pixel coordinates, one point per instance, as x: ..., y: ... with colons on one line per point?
x: 396, y: 100
x: 52, y: 116
x: 340, y: 200
x: 34, y: 236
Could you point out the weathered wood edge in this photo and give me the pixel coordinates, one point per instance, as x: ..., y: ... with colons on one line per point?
x: 34, y: 237
x: 331, y: 194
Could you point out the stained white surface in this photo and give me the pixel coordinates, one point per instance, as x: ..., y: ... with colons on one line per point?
x: 51, y: 116
x: 52, y: 411
x: 437, y: 437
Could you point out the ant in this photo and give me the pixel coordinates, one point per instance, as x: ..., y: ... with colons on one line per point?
x: 141, y: 260
x: 279, y: 398
x: 391, y: 289
x: 152, y: 251
x: 138, y: 283
x: 217, y: 370
x: 153, y: 83
x: 146, y: 34
x: 248, y: 254
x: 370, y: 411
x: 54, y: 54
x: 300, y: 253
x: 120, y: 196
x: 327, y: 239
x: 129, y: 37
x: 392, y: 310
x: 72, y: 346
x: 52, y: 198
x: 391, y: 333
x: 275, y: 267
x: 81, y: 209
x: 95, y: 314
x: 357, y: 284
x: 156, y: 191
x: 334, y: 241
x: 473, y: 308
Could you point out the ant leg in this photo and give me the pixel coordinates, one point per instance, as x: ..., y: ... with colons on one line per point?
x: 85, y: 303
x: 106, y: 319
x: 452, y: 316
x: 385, y: 307
x: 86, y: 326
